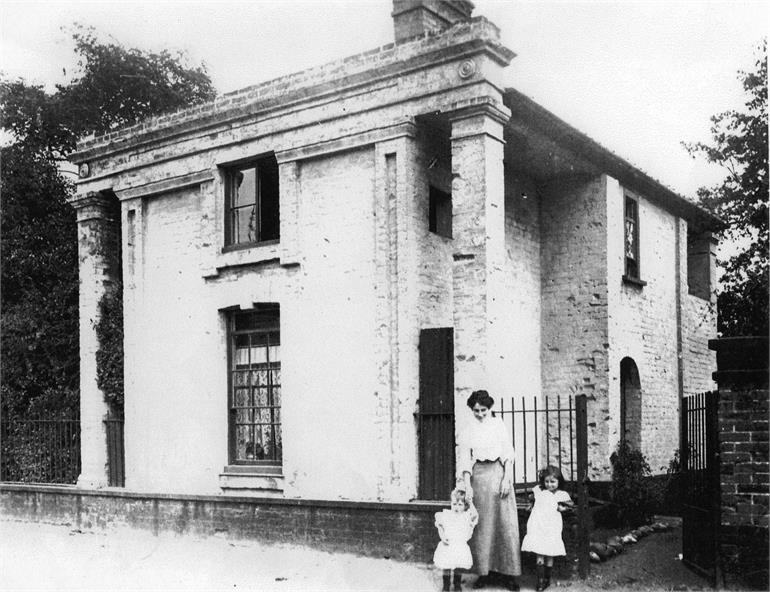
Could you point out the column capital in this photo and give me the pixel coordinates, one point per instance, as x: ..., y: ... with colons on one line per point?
x: 483, y: 115
x: 94, y: 205
x: 486, y: 105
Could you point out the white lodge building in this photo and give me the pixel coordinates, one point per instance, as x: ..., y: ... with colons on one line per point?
x: 286, y: 247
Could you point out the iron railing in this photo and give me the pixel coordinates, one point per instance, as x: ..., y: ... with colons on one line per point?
x: 699, y: 451
x: 544, y: 432
x: 40, y: 450
x: 553, y: 431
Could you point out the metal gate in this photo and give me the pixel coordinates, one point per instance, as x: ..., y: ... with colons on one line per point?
x: 700, y: 482
x: 116, y: 462
x: 435, y: 416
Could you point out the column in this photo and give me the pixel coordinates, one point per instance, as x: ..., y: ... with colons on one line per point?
x: 98, y: 221
x: 478, y: 228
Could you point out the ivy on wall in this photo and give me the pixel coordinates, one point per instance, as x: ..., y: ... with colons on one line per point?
x: 109, y: 357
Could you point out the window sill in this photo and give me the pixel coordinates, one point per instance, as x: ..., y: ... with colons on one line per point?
x: 700, y: 295
x: 246, y: 246
x: 252, y: 480
x: 242, y: 255
x: 254, y: 469
x: 634, y: 281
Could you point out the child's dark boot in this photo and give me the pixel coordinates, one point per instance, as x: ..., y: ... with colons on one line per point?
x: 547, y: 575
x: 446, y: 583
x: 456, y: 581
x: 541, y: 585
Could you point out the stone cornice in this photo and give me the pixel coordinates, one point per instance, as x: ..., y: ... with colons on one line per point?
x: 406, y: 128
x: 166, y: 185
x: 297, y: 91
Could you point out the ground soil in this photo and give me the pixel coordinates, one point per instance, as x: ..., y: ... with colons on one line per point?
x: 653, y: 563
x: 37, y: 557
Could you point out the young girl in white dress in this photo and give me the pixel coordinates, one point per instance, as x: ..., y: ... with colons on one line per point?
x: 455, y: 527
x: 545, y: 524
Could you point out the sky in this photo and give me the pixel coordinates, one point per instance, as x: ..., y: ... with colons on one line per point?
x: 639, y: 77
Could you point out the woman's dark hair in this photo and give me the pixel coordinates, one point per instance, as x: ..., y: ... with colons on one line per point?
x: 482, y: 398
x: 552, y: 471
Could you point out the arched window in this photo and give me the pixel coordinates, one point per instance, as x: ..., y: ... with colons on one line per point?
x: 630, y: 403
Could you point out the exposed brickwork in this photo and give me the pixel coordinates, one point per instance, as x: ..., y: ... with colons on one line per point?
x: 699, y: 318
x: 744, y: 410
x: 404, y: 532
x: 323, y: 79
x: 574, y: 303
x: 643, y: 326
x: 745, y: 484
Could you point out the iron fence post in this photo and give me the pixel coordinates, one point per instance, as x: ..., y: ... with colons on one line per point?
x: 581, y: 442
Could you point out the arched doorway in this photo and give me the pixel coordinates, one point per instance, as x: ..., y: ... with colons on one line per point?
x: 630, y: 403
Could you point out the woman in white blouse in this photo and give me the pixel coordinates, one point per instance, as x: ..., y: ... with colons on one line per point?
x: 485, y: 470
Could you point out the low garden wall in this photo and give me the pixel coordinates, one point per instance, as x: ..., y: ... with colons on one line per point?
x: 404, y: 532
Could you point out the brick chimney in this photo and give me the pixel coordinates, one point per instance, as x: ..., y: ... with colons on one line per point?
x: 412, y: 18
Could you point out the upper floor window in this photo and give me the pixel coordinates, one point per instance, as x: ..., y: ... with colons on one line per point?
x: 252, y: 214
x: 631, y: 243
x: 440, y: 212
x: 700, y: 262
x: 255, y: 386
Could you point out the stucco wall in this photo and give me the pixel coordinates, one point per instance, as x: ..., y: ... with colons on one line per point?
x: 336, y: 433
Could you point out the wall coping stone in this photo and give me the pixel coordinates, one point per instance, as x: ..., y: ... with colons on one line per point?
x: 741, y: 361
x: 119, y: 492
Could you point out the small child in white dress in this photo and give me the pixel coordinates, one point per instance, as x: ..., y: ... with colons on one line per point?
x: 545, y: 524
x: 455, y: 527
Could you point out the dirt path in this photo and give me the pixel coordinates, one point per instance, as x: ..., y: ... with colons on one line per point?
x: 56, y: 558
x: 651, y: 564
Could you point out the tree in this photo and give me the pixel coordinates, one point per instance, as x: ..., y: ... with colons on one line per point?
x: 739, y: 145
x: 112, y: 87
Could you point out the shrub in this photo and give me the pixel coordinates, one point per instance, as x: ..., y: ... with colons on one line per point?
x: 632, y: 490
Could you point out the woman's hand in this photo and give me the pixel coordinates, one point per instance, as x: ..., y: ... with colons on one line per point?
x: 469, y: 492
x: 505, y: 487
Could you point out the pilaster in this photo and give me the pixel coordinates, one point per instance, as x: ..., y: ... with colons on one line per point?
x: 478, y: 228
x: 97, y: 219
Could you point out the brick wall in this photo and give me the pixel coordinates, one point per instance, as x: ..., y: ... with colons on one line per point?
x: 404, y: 532
x: 745, y: 485
x: 521, y: 281
x: 574, y: 303
x: 744, y: 408
x: 643, y: 325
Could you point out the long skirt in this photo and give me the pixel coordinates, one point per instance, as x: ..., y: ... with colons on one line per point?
x: 495, y: 543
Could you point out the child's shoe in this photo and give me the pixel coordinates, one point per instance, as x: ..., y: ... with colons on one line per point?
x: 541, y: 585
x: 456, y: 581
x: 547, y: 575
x: 446, y: 583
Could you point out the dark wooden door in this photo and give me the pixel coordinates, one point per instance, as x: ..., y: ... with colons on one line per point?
x: 700, y: 482
x: 435, y: 414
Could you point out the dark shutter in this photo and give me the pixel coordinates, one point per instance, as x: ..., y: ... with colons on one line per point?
x: 435, y: 414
